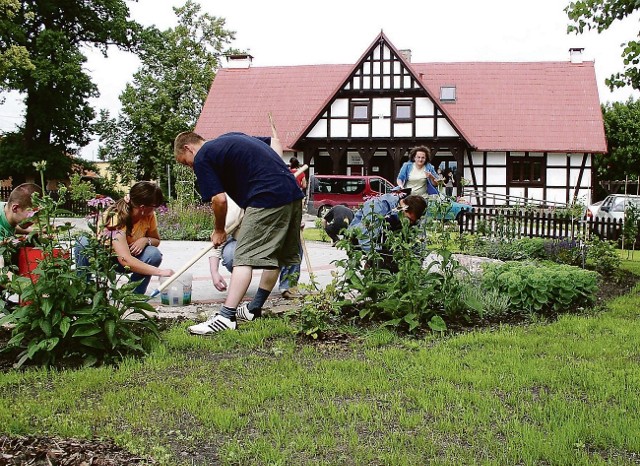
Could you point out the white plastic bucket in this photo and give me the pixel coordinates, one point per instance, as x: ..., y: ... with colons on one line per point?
x: 178, y: 293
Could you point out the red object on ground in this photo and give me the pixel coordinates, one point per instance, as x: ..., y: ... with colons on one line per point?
x: 28, y: 258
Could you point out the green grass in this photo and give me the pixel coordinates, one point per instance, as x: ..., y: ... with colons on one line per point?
x: 315, y: 234
x: 561, y: 393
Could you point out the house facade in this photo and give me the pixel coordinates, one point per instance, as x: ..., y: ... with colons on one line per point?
x: 523, y: 130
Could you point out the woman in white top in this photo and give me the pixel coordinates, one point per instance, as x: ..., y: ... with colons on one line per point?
x: 418, y: 174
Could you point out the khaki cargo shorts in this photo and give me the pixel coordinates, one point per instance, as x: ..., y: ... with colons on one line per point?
x: 270, y: 238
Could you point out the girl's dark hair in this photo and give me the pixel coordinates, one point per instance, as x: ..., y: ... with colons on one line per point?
x: 145, y: 193
x: 425, y: 149
x: 294, y: 162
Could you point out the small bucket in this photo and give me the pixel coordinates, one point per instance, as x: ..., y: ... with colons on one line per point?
x: 178, y: 293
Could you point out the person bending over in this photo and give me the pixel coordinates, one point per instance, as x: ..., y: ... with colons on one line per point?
x: 336, y: 220
x: 251, y: 173
x: 132, y: 225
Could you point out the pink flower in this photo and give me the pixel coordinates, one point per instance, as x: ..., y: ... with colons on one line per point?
x: 100, y: 202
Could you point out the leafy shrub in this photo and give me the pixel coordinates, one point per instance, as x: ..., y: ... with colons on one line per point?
x: 541, y: 287
x: 185, y: 223
x: 533, y: 248
x: 389, y: 284
x: 602, y: 256
x: 521, y: 249
x: 323, y: 234
x: 487, y: 303
x: 564, y: 251
x: 66, y: 315
x: 319, y: 313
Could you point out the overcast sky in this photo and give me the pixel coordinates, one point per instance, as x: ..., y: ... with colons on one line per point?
x: 288, y: 32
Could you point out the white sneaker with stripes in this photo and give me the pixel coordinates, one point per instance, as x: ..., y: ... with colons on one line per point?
x: 243, y: 314
x: 215, y: 324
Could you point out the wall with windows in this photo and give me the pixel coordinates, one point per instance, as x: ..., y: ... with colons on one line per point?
x: 550, y: 177
x: 382, y: 117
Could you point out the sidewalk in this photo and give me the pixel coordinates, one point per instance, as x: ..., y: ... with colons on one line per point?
x: 177, y: 253
x: 204, y: 296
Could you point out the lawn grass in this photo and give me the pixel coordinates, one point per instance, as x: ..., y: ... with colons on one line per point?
x: 566, y: 392
x: 315, y: 234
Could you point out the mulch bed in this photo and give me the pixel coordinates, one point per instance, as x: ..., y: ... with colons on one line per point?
x: 49, y: 451
x: 65, y: 452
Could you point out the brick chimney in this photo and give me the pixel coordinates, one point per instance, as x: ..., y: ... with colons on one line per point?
x: 406, y: 54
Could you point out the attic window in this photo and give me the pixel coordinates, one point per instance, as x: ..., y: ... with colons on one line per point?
x: 448, y: 94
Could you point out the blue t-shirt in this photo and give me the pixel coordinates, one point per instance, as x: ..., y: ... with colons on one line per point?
x: 247, y: 169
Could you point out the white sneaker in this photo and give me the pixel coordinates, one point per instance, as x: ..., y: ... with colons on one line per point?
x: 243, y: 313
x: 217, y: 323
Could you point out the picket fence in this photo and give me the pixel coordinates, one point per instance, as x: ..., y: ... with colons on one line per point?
x: 518, y: 223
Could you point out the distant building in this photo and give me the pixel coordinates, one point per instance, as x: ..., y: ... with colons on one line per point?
x: 526, y: 129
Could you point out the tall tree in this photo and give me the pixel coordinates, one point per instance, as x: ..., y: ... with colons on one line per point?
x: 600, y: 15
x: 622, y: 127
x: 166, y: 95
x: 55, y: 85
x: 14, y: 57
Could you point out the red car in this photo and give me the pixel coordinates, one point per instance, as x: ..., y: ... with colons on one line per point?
x: 326, y: 191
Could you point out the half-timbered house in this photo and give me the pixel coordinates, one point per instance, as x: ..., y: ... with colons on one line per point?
x: 525, y: 129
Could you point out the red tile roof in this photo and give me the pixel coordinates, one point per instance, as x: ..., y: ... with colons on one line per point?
x: 545, y: 106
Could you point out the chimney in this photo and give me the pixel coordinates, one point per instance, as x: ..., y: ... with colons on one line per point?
x: 238, y: 60
x: 406, y: 54
x: 575, y: 54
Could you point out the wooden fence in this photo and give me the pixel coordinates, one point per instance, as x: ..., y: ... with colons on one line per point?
x: 513, y: 223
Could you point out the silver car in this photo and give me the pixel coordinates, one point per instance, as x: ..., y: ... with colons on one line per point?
x: 614, y: 206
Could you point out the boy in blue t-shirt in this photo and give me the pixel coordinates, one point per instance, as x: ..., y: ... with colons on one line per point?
x: 249, y: 171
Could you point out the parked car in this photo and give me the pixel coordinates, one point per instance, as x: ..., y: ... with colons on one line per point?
x: 326, y: 191
x: 592, y: 210
x: 614, y: 206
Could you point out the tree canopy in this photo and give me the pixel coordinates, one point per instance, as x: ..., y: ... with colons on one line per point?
x: 622, y: 127
x: 166, y: 95
x: 41, y: 57
x: 600, y: 15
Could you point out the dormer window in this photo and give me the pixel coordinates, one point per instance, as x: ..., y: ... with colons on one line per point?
x: 448, y: 94
x: 360, y: 111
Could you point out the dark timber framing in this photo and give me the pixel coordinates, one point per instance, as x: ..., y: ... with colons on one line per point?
x: 382, y: 75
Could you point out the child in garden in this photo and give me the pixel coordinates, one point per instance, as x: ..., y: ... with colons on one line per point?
x: 13, y: 214
x: 133, y: 228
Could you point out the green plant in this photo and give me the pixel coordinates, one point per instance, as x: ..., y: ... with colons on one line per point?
x: 602, y: 256
x: 185, y: 222
x: 630, y: 228
x: 80, y: 190
x: 487, y: 303
x: 319, y: 313
x: 318, y: 225
x: 388, y: 283
x: 541, y: 287
x: 185, y: 187
x: 67, y: 314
